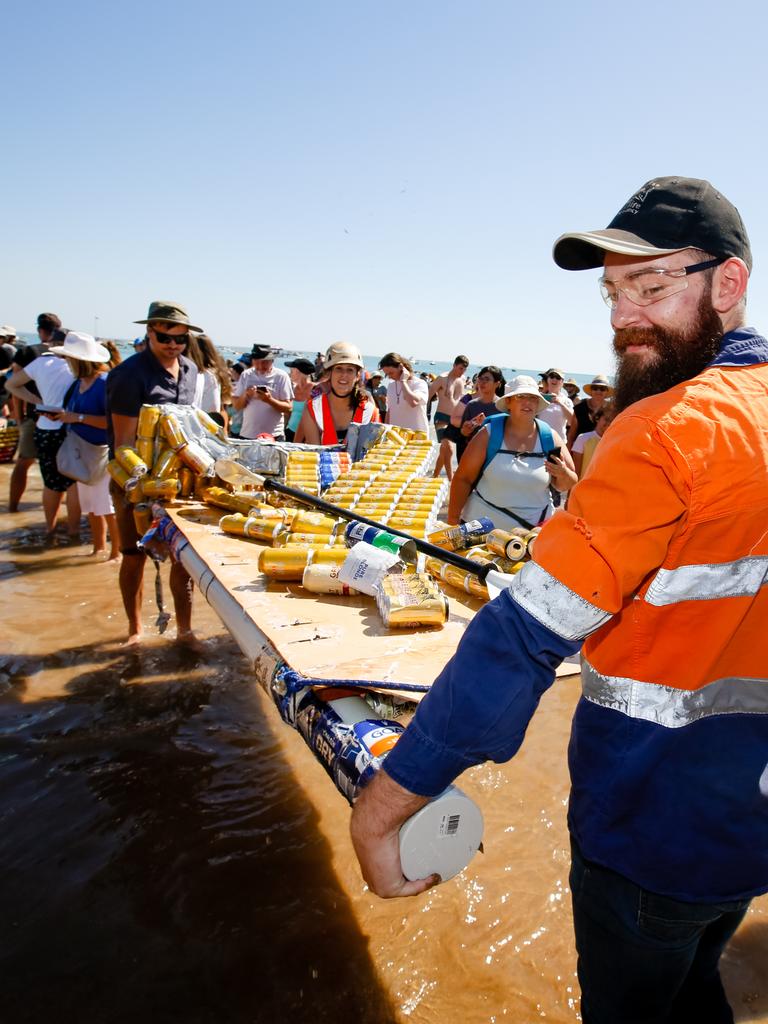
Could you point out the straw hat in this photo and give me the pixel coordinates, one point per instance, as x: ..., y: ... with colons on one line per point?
x: 602, y: 381
x: 82, y: 346
x: 521, y: 385
x: 342, y: 352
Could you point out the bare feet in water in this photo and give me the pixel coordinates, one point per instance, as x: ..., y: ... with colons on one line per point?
x: 188, y: 640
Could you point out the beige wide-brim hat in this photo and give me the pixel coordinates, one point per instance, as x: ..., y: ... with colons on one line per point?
x: 602, y: 380
x: 521, y: 385
x: 82, y: 346
x: 170, y: 312
x: 342, y: 352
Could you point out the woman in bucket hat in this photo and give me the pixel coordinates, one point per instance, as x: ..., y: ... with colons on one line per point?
x: 584, y: 411
x: 338, y: 400
x: 506, y: 472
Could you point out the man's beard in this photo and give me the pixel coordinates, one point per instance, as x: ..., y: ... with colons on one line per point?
x: 677, y: 355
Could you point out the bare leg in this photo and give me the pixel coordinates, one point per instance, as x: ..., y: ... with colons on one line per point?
x: 73, y: 512
x: 181, y: 588
x: 98, y: 533
x: 114, y: 537
x: 132, y: 592
x: 51, y: 505
x: 18, y: 483
x: 445, y: 458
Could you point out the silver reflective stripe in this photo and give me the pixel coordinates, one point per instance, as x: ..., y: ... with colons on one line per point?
x: 554, y: 605
x: 742, y: 578
x: 672, y: 708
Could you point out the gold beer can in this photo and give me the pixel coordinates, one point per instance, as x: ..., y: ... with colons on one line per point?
x: 162, y: 490
x: 131, y: 462
x: 142, y: 517
x: 149, y: 416
x: 171, y: 430
x: 166, y: 464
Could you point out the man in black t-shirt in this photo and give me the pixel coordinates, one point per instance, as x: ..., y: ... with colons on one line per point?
x: 161, y: 374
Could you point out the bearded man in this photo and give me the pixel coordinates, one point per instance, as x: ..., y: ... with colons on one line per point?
x: 658, y: 567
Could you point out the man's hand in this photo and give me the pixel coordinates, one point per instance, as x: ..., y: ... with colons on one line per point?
x: 377, y: 816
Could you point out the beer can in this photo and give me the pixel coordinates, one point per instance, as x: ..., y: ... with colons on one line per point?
x: 208, y: 422
x: 464, y: 580
x: 187, y: 480
x: 172, y: 431
x: 313, y: 522
x: 324, y: 579
x: 134, y: 489
x: 166, y: 464
x: 312, y: 539
x: 195, y: 457
x: 355, y: 532
x: 286, y: 563
x: 403, y: 612
x: 145, y: 449
x: 163, y: 490
x: 510, y: 545
x: 120, y: 475
x: 130, y: 461
x: 453, y: 538
x: 149, y: 415
x: 335, y: 555
x: 142, y: 517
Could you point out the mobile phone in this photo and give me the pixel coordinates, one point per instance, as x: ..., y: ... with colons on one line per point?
x: 44, y: 409
x: 554, y: 454
x: 262, y: 387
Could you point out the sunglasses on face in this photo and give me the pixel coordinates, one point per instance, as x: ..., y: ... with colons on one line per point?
x: 167, y: 339
x: 554, y: 376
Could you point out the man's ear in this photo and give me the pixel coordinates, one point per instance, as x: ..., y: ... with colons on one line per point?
x: 729, y: 283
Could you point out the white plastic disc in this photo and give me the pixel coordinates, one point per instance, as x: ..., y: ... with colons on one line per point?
x: 441, y: 838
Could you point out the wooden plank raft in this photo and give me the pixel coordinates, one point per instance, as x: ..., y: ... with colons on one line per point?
x: 324, y: 636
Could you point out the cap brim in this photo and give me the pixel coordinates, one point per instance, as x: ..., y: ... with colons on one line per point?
x: 585, y: 250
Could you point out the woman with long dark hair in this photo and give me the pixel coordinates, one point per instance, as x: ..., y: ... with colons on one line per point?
x: 339, y: 399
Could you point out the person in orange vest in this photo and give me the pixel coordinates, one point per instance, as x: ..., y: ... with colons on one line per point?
x: 658, y: 568
x: 339, y: 399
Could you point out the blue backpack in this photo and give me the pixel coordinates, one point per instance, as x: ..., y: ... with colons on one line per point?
x: 495, y: 426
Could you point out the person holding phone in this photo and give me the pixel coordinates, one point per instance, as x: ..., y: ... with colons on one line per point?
x: 264, y: 393
x: 506, y: 472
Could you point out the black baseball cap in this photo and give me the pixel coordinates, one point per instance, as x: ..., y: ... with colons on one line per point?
x: 302, y: 365
x: 666, y: 215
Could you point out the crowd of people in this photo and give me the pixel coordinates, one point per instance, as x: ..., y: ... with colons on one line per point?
x: 662, y: 541
x: 71, y: 395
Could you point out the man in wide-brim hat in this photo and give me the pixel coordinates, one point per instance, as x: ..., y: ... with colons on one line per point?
x: 160, y: 374
x: 265, y: 395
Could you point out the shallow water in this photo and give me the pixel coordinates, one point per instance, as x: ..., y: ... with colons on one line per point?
x: 170, y: 851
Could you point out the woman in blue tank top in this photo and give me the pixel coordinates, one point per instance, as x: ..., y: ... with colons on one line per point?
x: 85, y: 413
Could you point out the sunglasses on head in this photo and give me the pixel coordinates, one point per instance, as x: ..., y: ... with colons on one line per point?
x: 166, y: 339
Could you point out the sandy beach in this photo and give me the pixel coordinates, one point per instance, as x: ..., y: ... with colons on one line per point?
x: 171, y: 851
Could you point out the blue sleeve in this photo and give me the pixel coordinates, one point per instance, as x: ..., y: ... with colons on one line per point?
x: 481, y: 703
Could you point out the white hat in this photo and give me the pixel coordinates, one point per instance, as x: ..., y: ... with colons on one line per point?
x: 6, y: 331
x: 82, y: 346
x: 342, y: 352
x: 521, y: 385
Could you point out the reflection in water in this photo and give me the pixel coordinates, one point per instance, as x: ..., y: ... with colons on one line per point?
x: 169, y: 851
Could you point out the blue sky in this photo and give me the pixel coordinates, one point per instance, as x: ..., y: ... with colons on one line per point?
x: 392, y: 175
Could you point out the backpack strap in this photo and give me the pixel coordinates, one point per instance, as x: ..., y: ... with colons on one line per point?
x: 545, y: 435
x: 495, y: 427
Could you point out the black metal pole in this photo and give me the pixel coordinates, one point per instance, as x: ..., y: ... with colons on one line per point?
x: 424, y: 546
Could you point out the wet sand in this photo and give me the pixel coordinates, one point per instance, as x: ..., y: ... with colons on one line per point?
x: 170, y: 851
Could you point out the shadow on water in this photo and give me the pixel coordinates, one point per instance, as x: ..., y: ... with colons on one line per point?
x: 159, y: 860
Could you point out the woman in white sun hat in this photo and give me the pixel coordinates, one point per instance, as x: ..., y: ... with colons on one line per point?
x: 85, y: 414
x: 506, y: 471
x: 339, y: 400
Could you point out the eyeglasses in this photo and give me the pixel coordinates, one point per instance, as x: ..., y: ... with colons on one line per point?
x: 644, y: 287
x: 554, y: 376
x: 599, y: 387
x: 166, y: 339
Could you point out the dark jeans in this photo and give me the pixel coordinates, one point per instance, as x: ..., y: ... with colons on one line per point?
x: 645, y: 958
